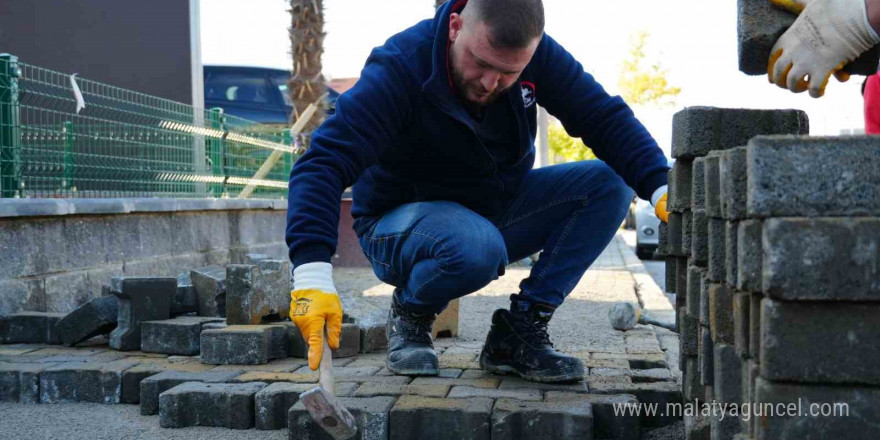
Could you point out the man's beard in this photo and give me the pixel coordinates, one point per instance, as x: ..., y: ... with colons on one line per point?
x: 471, y: 106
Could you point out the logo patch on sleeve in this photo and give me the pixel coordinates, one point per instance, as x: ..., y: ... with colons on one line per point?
x: 528, y: 94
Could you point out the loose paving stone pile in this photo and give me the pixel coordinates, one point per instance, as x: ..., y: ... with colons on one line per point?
x: 783, y: 309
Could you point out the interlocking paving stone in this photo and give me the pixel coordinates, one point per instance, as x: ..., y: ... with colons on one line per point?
x: 131, y: 378
x: 372, y: 389
x: 466, y: 392
x: 694, y: 287
x: 209, y: 404
x: 210, y: 285
x: 185, y: 299
x: 717, y: 250
x: 83, y: 382
x: 732, y: 176
x: 700, y: 238
x: 21, y: 382
x: 515, y: 383
x: 369, y: 317
x: 312, y: 377
x: 257, y: 292
x: 485, y: 382
x: 660, y: 393
x: 741, y: 323
x: 96, y: 317
x: 29, y: 328
x: 245, y: 344
x: 349, y: 343
x: 706, y: 357
x: 273, y: 402
x: 727, y: 385
x: 178, y: 336
x: 440, y: 419
x: 515, y: 419
x: 800, y: 253
x: 755, y: 325
x: 680, y: 185
x: 670, y: 272
x: 607, y: 424
x: 696, y: 131
x: 153, y: 386
x: 370, y: 414
x: 140, y: 299
x: 819, y: 342
x: 749, y: 255
x: 835, y: 176
x: 459, y: 360
x: 637, y: 361
x: 691, y: 388
x: 649, y: 375
x: 698, y: 184
x: 712, y: 184
x: 721, y: 313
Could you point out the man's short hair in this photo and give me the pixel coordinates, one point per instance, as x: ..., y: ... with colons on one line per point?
x: 513, y: 24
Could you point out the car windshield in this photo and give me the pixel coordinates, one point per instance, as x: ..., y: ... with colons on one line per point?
x: 280, y: 81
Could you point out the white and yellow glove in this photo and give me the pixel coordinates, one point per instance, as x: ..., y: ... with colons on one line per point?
x: 314, y: 304
x: 658, y: 201
x: 826, y: 36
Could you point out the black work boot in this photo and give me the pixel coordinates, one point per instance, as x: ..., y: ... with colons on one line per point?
x: 518, y: 344
x: 410, y: 346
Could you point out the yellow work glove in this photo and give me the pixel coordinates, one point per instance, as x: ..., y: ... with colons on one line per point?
x: 826, y: 36
x: 794, y: 6
x: 314, y: 304
x: 658, y: 199
x: 660, y: 209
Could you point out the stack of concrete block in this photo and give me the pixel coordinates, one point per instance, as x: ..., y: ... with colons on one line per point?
x: 805, y: 292
x: 704, y: 215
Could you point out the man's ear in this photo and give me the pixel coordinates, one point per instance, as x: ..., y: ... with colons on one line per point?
x: 455, y: 26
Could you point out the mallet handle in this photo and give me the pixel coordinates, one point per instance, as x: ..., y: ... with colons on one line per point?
x: 326, y: 367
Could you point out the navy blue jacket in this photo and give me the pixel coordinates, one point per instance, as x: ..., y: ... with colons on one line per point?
x: 401, y: 136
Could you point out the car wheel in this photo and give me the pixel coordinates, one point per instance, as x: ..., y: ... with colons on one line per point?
x: 644, y: 253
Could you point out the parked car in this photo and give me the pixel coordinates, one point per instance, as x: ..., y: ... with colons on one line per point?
x: 255, y: 93
x: 647, y: 227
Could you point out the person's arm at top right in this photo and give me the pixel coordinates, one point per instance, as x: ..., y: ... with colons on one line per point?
x: 368, y: 118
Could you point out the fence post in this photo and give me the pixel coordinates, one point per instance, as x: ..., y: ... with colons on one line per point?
x: 67, y: 181
x: 10, y: 140
x: 216, y: 147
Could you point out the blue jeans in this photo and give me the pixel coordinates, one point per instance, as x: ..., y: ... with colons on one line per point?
x: 436, y: 251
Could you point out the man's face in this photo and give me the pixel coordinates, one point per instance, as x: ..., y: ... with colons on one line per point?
x: 480, y: 71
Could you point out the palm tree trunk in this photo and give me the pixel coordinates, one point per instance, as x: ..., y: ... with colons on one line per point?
x: 307, y: 45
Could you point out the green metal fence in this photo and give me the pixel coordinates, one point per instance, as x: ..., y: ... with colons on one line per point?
x: 125, y: 143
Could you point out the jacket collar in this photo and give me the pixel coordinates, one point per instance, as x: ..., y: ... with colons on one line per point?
x: 439, y: 85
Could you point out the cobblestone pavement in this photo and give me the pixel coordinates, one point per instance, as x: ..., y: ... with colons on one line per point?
x: 639, y: 364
